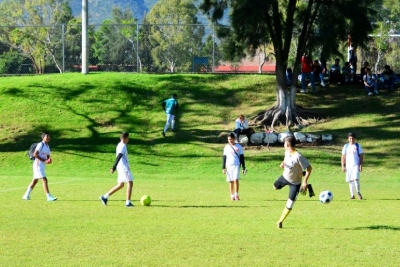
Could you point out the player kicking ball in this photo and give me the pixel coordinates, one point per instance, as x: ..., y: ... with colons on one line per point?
x: 124, y: 173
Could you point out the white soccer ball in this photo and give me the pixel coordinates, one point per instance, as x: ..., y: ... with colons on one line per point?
x: 326, y: 197
x: 244, y: 140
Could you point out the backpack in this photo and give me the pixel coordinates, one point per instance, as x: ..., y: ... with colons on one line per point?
x: 357, y: 146
x: 32, y: 150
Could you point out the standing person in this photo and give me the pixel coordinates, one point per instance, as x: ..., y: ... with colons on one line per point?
x: 124, y: 172
x: 293, y: 165
x: 352, y: 161
x: 42, y: 157
x: 334, y: 73
x: 232, y: 158
x: 170, y: 106
x: 242, y: 127
x: 306, y: 72
x: 317, y: 71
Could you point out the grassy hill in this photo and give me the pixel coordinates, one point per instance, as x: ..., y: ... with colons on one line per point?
x: 192, y: 221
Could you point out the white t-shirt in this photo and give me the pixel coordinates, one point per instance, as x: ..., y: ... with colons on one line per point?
x: 241, y: 125
x: 294, y: 164
x: 231, y: 157
x: 44, y: 151
x: 352, y: 157
x: 123, y: 164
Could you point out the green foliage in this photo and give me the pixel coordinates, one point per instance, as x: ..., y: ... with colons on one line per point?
x: 175, y: 34
x: 191, y: 221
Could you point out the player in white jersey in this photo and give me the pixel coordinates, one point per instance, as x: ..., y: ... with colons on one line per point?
x: 293, y: 165
x: 124, y: 172
x: 352, y: 162
x: 232, y: 158
x: 42, y: 157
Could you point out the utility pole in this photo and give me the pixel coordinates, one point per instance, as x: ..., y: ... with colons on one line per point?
x: 85, y: 39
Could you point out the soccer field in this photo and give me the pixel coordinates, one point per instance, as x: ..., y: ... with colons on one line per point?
x: 191, y: 220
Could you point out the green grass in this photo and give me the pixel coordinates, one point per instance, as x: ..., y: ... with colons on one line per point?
x: 191, y: 221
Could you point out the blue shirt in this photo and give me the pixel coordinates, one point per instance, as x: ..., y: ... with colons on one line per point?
x: 170, y: 105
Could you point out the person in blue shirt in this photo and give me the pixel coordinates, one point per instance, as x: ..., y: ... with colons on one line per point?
x: 387, y: 79
x: 170, y: 106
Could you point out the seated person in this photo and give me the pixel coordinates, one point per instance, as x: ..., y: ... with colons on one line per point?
x: 289, y: 76
x: 370, y: 83
x: 334, y: 73
x: 387, y: 79
x: 317, y: 72
x: 242, y: 127
x: 347, y: 73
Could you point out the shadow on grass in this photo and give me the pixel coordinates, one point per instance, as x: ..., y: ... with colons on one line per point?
x: 376, y: 227
x: 334, y: 102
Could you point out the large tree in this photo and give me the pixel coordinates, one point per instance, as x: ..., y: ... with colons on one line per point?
x: 311, y: 22
x: 35, y: 29
x: 175, y: 34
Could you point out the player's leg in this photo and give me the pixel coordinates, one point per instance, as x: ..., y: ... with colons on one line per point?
x: 173, y: 123
x: 46, y: 190
x: 232, y: 189
x: 29, y: 189
x: 129, y: 181
x: 236, y: 183
x: 293, y: 192
x: 351, y: 175
x: 168, y: 122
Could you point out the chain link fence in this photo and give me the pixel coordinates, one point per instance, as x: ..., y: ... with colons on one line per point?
x: 141, y: 48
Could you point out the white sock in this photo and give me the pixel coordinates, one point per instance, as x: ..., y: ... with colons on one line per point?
x: 28, y: 191
x: 357, y: 183
x: 166, y: 127
x: 127, y: 202
x: 106, y: 196
x: 232, y: 196
x: 173, y: 124
x: 351, y: 188
x: 236, y: 194
x: 48, y: 195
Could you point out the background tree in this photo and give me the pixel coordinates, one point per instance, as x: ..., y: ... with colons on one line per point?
x: 175, y: 34
x: 254, y: 21
x: 35, y: 42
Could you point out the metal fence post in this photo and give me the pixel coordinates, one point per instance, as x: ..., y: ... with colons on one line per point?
x: 63, y: 46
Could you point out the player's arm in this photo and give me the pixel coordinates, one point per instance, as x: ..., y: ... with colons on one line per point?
x: 343, y: 162
x: 242, y: 162
x: 163, y: 105
x: 116, y: 162
x: 361, y: 161
x: 224, y: 163
x: 177, y: 105
x: 306, y: 176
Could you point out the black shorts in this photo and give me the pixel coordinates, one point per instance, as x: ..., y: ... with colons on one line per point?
x: 293, y: 188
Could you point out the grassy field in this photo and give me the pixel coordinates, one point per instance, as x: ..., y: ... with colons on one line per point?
x: 191, y: 221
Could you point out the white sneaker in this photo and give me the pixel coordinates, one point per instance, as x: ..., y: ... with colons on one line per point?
x: 322, y: 84
x: 376, y: 92
x: 26, y: 198
x: 370, y: 93
x: 309, y: 84
x: 51, y: 198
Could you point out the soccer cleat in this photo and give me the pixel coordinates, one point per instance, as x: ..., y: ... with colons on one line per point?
x: 359, y: 196
x: 26, y: 198
x: 163, y: 134
x: 352, y: 197
x: 51, y: 198
x: 237, y: 198
x: 130, y: 205
x: 104, y: 200
x: 173, y: 130
x: 279, y: 225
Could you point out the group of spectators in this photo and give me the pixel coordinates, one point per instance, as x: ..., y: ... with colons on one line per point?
x: 316, y: 71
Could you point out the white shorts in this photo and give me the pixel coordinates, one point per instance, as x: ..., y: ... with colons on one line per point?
x: 352, y: 174
x: 170, y: 118
x: 232, y: 173
x: 124, y: 176
x: 39, y: 169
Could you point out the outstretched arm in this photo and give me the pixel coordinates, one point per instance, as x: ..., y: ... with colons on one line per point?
x: 224, y: 164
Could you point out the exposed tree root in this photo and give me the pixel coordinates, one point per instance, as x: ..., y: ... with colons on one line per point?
x: 276, y: 115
